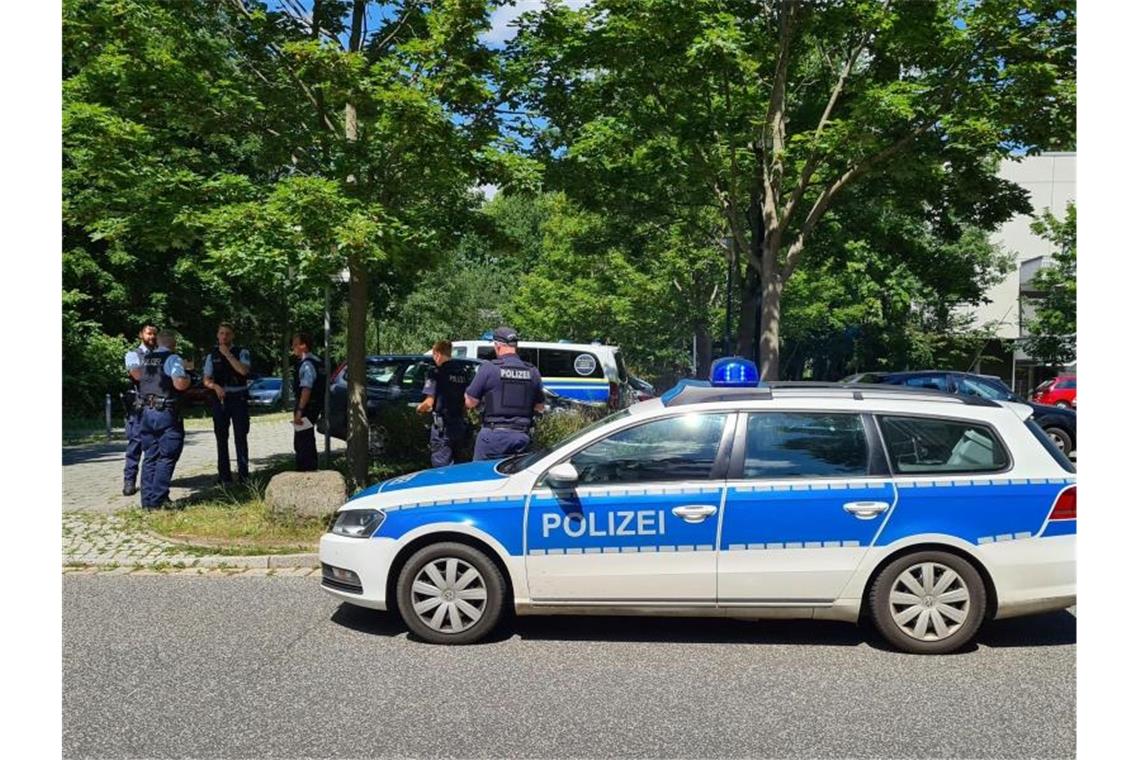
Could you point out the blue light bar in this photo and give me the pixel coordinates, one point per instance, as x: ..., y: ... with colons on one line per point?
x: 488, y: 335
x: 668, y: 396
x: 734, y: 372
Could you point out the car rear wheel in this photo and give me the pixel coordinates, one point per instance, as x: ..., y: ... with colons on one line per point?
x: 929, y: 602
x: 1061, y: 438
x: 450, y: 593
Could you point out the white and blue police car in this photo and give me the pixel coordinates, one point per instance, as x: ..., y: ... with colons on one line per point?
x: 927, y: 512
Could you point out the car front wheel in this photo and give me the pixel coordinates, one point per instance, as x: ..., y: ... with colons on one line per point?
x: 929, y: 602
x: 450, y: 593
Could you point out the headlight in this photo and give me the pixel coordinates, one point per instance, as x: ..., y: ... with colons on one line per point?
x: 357, y: 523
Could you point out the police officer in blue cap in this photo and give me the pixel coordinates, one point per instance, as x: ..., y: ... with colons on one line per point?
x: 148, y: 339
x: 161, y: 379
x: 443, y: 398
x: 225, y: 372
x: 511, y: 392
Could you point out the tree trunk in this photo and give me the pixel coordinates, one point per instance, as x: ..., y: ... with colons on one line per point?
x: 357, y: 302
x: 749, y: 306
x: 357, y: 395
x: 704, y: 349
x: 770, y: 289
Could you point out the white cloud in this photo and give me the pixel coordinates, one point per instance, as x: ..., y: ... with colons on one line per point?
x: 503, y: 18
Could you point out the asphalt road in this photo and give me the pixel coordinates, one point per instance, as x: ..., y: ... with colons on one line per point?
x: 184, y: 666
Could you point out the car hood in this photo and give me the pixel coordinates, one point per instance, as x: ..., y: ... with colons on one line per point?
x: 1045, y: 410
x: 454, y: 479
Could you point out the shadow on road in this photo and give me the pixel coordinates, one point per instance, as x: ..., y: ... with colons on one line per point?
x: 1053, y: 629
x: 107, y: 452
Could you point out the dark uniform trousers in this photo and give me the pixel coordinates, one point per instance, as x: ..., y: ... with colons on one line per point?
x: 305, y: 447
x: 499, y: 442
x: 448, y: 435
x: 162, y: 437
x: 233, y: 408
x: 134, y: 445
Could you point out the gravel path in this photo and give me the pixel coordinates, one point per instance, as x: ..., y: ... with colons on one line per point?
x: 93, y: 472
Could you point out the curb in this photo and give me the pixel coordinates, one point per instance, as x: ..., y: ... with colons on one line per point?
x: 255, y: 561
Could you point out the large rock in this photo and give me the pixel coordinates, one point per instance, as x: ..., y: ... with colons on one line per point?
x: 306, y: 494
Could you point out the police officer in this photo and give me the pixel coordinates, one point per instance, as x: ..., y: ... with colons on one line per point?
x: 511, y: 391
x: 161, y: 379
x: 443, y: 398
x: 309, y: 401
x: 148, y: 339
x: 225, y: 372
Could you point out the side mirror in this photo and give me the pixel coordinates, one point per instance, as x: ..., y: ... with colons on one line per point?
x: 562, y: 476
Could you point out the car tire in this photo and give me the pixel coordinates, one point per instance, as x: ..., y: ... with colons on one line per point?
x: 471, y: 594
x: 1060, y: 437
x: 944, y: 618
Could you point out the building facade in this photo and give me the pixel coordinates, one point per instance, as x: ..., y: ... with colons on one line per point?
x: 1051, y: 181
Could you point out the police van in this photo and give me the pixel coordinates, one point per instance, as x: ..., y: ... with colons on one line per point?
x: 591, y: 373
x: 929, y: 513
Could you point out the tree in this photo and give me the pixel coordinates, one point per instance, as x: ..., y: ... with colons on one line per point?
x: 771, y: 112
x: 1053, y: 327
x: 264, y: 148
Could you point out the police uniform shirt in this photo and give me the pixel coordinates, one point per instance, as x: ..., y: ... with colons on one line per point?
x: 173, y: 366
x: 133, y: 358
x: 488, y: 378
x: 208, y: 368
x: 306, y: 372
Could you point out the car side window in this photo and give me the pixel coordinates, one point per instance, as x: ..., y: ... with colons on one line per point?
x: 968, y: 386
x: 930, y: 446
x: 930, y: 382
x: 804, y: 445
x: 486, y: 353
x: 379, y: 374
x: 414, y: 376
x: 556, y: 362
x: 1067, y: 385
x: 673, y: 448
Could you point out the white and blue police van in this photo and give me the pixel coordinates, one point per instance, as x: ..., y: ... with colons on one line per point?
x: 590, y: 373
x: 929, y: 513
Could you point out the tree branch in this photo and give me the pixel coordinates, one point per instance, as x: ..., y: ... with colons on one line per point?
x: 824, y: 199
x: 812, y: 161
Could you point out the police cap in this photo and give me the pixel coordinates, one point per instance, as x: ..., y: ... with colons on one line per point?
x: 505, y: 335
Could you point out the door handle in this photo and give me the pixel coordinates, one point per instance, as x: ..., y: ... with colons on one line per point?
x: 865, y: 510
x: 694, y: 513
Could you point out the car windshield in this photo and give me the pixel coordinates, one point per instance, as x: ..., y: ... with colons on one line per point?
x: 266, y: 384
x: 520, y: 462
x: 991, y: 389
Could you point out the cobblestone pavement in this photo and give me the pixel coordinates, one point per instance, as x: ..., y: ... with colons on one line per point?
x: 95, y: 540
x: 93, y: 472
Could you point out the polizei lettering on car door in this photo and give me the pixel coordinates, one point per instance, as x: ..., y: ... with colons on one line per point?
x: 641, y: 522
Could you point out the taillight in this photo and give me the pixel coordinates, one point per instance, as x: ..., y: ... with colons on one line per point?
x: 615, y: 396
x: 1066, y: 506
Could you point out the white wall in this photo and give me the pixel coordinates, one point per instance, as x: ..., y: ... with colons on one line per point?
x: 1051, y: 180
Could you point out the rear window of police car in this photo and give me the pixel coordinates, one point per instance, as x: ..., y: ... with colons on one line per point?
x: 936, y: 446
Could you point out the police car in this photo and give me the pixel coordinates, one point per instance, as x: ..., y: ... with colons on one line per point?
x: 589, y: 373
x: 929, y: 513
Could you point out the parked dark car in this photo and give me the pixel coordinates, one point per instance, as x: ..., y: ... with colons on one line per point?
x: 391, y: 381
x: 197, y: 394
x: 1059, y: 423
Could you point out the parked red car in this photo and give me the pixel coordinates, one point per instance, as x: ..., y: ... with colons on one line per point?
x: 1060, y: 391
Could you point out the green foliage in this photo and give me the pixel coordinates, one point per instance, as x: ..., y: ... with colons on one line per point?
x: 92, y: 362
x: 1053, y: 328
x: 554, y: 427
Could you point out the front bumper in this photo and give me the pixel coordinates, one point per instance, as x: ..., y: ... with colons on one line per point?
x: 369, y: 558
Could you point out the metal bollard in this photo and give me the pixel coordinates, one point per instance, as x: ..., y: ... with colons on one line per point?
x: 107, y: 412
